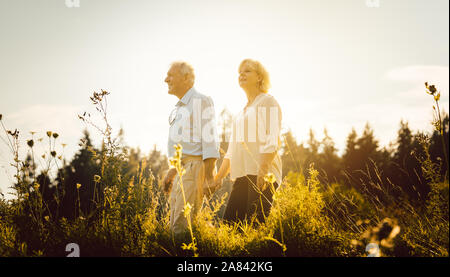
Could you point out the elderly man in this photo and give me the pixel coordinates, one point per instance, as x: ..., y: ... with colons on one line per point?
x: 194, y: 117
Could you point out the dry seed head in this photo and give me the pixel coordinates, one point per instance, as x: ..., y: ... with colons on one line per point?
x: 432, y: 89
x: 30, y: 143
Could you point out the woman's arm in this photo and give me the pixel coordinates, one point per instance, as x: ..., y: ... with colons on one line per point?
x: 264, y: 165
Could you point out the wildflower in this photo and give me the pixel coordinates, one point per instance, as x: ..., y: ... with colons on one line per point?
x: 97, y: 178
x: 78, y: 186
x: 64, y: 145
x: 187, y: 210
x: 49, y: 133
x: 270, y: 178
x: 437, y: 97
x: 173, y: 162
x: 178, y: 151
x: 36, y: 186
x: 383, y: 234
x: 30, y: 143
x: 53, y: 153
x: 14, y: 134
x: 191, y: 246
x: 43, y: 156
x: 40, y: 139
x: 55, y: 135
x: 26, y: 195
x: 47, y: 218
x: 432, y: 89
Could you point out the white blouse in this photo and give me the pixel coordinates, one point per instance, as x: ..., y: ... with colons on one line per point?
x: 256, y: 130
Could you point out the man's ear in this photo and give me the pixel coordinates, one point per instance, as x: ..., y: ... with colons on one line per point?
x: 186, y: 78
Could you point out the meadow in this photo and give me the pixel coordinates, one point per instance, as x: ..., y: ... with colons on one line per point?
x: 109, y: 200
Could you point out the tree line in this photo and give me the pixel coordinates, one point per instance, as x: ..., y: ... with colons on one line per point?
x: 398, y: 168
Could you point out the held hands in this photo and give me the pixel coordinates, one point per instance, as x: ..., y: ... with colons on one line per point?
x: 212, y: 185
x: 208, y: 187
x: 217, y: 182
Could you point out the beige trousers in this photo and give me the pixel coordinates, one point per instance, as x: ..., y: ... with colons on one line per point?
x: 192, y: 182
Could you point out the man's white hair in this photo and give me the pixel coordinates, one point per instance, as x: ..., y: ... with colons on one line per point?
x: 185, y: 69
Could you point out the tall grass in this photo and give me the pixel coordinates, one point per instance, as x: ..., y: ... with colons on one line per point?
x: 131, y: 216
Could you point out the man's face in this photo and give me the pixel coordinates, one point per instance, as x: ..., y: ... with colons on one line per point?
x: 175, y: 80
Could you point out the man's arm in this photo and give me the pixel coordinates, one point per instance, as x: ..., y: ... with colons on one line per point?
x: 210, y: 145
x: 210, y: 165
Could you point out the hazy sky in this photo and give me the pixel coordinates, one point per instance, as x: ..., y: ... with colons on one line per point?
x: 333, y: 64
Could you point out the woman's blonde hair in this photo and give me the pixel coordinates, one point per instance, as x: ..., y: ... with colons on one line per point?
x: 264, y: 84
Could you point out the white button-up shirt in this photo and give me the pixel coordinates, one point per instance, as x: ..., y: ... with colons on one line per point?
x: 256, y: 130
x: 193, y: 125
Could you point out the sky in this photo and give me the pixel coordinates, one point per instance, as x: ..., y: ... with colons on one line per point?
x: 333, y: 64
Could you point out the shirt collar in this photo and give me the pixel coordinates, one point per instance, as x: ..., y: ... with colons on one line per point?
x: 187, y: 97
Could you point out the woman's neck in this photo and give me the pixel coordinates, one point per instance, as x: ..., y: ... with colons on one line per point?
x: 251, y: 94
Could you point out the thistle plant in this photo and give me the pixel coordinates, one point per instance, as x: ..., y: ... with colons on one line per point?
x: 437, y: 120
x: 176, y: 163
x: 270, y: 179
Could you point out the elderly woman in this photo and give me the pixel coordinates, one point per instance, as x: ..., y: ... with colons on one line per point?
x: 253, y: 149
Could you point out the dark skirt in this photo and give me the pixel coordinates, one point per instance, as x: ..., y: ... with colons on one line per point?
x: 245, y: 200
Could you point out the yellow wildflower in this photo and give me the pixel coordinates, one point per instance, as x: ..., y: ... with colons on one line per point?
x: 270, y: 178
x: 187, y: 210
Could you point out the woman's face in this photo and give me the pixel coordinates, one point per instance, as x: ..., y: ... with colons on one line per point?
x: 248, y: 78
